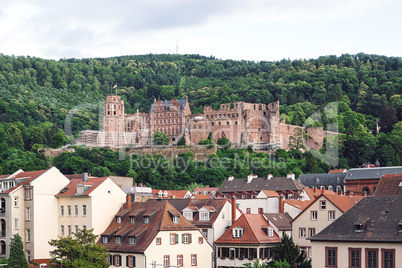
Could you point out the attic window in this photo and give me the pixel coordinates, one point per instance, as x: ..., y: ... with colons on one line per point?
x: 146, y: 219
x: 358, y: 228
x: 118, y: 220
x: 237, y: 232
x: 360, y: 224
x: 131, y: 240
x: 176, y: 219
x: 400, y: 184
x: 204, y: 216
x: 118, y: 239
x: 400, y: 226
x: 188, y: 215
x: 270, y: 232
x: 132, y: 219
x: 317, y: 180
x: 105, y: 239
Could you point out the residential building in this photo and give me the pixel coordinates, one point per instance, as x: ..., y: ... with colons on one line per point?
x: 365, y: 180
x: 142, y: 233
x: 280, y: 222
x: 329, y: 181
x: 210, y: 192
x: 320, y: 213
x: 367, y: 235
x: 294, y: 207
x: 389, y: 185
x: 31, y: 210
x: 250, y: 187
x: 250, y: 237
x: 211, y: 216
x: 88, y: 202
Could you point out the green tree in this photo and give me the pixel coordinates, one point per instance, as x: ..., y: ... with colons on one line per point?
x: 182, y: 141
x: 17, y: 256
x: 288, y: 251
x: 81, y: 251
x: 160, y: 138
x: 256, y: 264
x: 58, y: 139
x: 296, y: 141
x: 280, y: 264
x: 224, y: 143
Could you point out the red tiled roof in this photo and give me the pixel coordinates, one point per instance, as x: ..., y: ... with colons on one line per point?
x: 253, y: 232
x: 72, y: 186
x: 160, y: 220
x: 389, y: 185
x: 28, y: 176
x: 300, y: 204
x: 200, y: 196
x: 269, y: 193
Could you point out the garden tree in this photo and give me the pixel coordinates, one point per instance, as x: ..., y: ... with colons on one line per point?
x: 13, y: 137
x: 311, y: 165
x: 388, y: 119
x: 80, y: 251
x: 160, y: 138
x: 288, y: 251
x: 296, y: 141
x: 58, y: 139
x: 182, y: 141
x: 211, y: 137
x: 131, y: 173
x: 256, y: 264
x: 224, y: 143
x: 17, y: 255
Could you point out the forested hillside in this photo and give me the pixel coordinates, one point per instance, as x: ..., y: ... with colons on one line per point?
x: 37, y: 94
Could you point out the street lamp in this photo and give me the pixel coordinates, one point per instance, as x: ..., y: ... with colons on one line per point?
x: 234, y: 256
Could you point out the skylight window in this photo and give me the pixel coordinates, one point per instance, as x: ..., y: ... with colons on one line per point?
x: 400, y: 184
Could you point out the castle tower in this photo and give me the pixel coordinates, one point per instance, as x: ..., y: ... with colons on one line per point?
x: 113, y: 120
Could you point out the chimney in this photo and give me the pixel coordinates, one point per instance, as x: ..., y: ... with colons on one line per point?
x: 323, y: 189
x: 234, y: 209
x: 269, y: 176
x: 291, y: 176
x: 315, y: 189
x: 281, y: 203
x: 127, y: 205
x: 230, y: 178
x: 339, y: 192
x: 250, y: 178
x: 85, y: 177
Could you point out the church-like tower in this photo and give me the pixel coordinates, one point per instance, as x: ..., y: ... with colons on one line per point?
x: 113, y: 120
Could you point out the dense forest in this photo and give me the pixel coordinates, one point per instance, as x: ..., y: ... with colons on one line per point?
x: 36, y: 95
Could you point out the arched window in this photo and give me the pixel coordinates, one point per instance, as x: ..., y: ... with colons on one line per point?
x: 3, y: 247
x: 366, y: 191
x: 212, y: 123
x: 2, y: 205
x: 3, y: 227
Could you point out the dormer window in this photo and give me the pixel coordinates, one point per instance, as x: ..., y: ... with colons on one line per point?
x: 165, y: 194
x: 360, y: 224
x: 358, y: 228
x: 146, y: 219
x: 237, y: 232
x: 204, y: 216
x: 132, y: 219
x: 400, y: 226
x: 188, y: 215
x: 270, y: 232
x: 176, y: 219
x: 118, y: 239
x: 132, y: 240
x: 105, y: 239
x: 118, y: 219
x: 160, y: 194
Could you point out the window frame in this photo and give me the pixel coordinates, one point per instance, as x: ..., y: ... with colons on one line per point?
x: 174, y: 236
x: 350, y: 258
x: 62, y: 211
x: 166, y: 259
x: 335, y: 257
x: 312, y: 213
x: 76, y: 212
x: 84, y: 210
x: 301, y: 233
x: 323, y: 205
x: 329, y: 215
x: 158, y: 241
x: 105, y: 239
x: 385, y: 250
x: 309, y: 232
x: 179, y: 260
x: 200, y: 240
x: 367, y: 250
x: 193, y: 259
x: 204, y: 216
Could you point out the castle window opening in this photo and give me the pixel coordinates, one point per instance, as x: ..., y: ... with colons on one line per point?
x: 233, y: 115
x: 212, y: 123
x: 199, y: 126
x: 235, y: 122
x: 265, y: 113
x: 207, y: 116
x: 219, y: 123
x: 237, y: 115
x: 259, y: 129
x: 173, y: 139
x: 229, y: 115
x: 194, y: 127
x: 227, y: 123
x: 260, y: 138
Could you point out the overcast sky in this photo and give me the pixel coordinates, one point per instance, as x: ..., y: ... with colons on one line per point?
x: 227, y: 29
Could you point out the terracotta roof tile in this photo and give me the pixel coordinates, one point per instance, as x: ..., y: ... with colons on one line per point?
x: 269, y: 193
x: 300, y: 204
x: 389, y: 185
x: 343, y: 202
x: 338, y: 170
x: 253, y: 232
x: 71, y: 188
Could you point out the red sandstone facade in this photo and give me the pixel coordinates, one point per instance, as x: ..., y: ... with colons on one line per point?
x: 244, y: 124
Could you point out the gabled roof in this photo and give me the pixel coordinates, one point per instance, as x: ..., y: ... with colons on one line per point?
x: 25, y: 178
x: 253, y: 233
x: 342, y: 202
x: 299, y: 204
x: 389, y: 185
x: 383, y: 214
x: 215, y: 206
x: 160, y: 213
x: 280, y: 220
x: 371, y: 173
x: 71, y: 188
x: 170, y: 193
x: 269, y: 193
x: 259, y: 184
